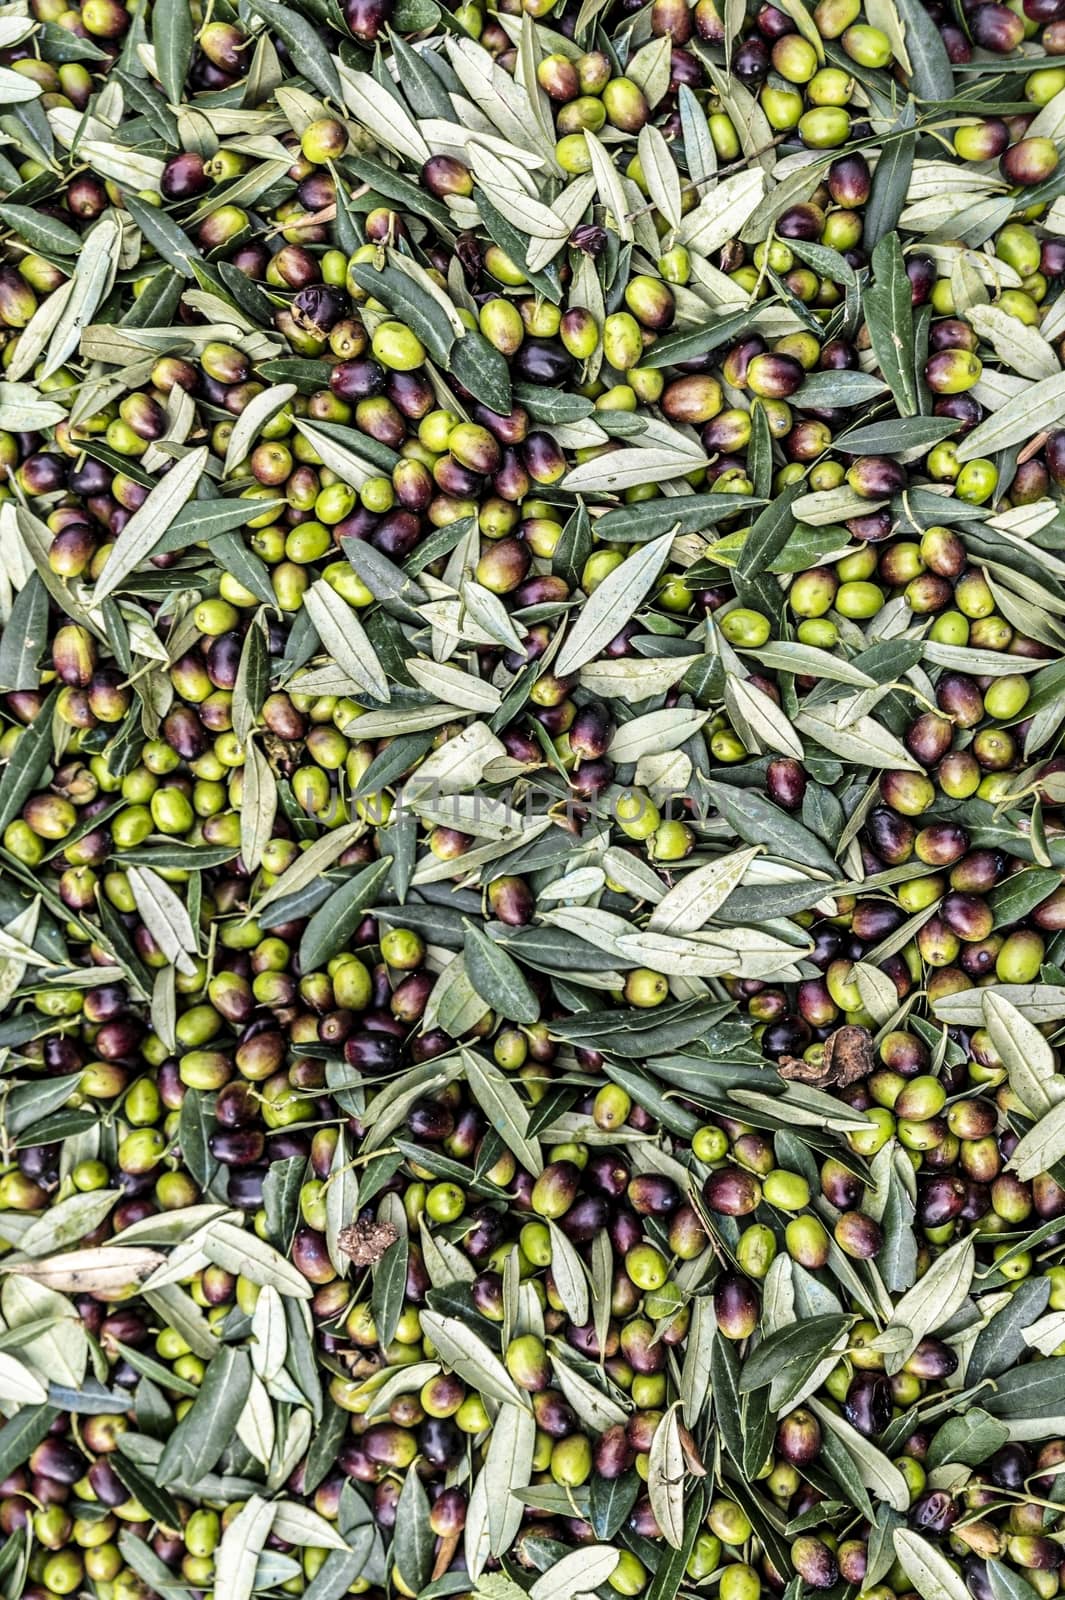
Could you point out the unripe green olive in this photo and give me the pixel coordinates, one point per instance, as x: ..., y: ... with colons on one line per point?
x: 571, y: 1460
x: 859, y: 600
x: 807, y: 1241
x: 812, y: 592
x: 622, y: 340
x: 783, y: 106
x: 396, y: 347
x: 756, y: 1250
x: 977, y: 481
x: 626, y: 106
x: 868, y: 46
x: 788, y: 1190
x: 747, y: 629
x: 1018, y: 247
x: 825, y: 127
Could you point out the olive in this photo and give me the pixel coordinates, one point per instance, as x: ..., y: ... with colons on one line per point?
x: 732, y: 1192
x: 814, y: 1561
x: 867, y: 1406
x: 736, y: 1306
x: 625, y: 105
x: 1029, y: 161
x: 184, y: 177
x: 798, y: 1438
x: 366, y: 18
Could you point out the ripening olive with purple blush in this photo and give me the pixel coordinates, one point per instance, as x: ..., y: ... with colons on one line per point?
x: 736, y: 363
x: 1029, y: 161
x: 858, y: 1235
x: 773, y: 376
x: 929, y: 738
x: 503, y: 565
x: 556, y: 1189
x: 959, y: 698
x: 613, y: 1454
x: 849, y: 180
x: 952, y: 371
x: 940, y: 844
x: 694, y: 399
x: 736, y: 1306
x: 798, y: 1438
x: 653, y: 1195
x: 876, y: 477
x: 732, y: 1192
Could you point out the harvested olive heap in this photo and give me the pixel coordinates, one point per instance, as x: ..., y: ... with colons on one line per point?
x: 532, y: 829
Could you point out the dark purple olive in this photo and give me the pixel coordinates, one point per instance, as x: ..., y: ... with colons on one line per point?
x: 372, y: 1052
x: 786, y: 782
x: 441, y: 1443
x: 934, y: 1512
x: 1009, y: 1467
x: 542, y: 361
x: 750, y: 63
x: 428, y: 1119
x: 237, y: 1147
x: 318, y: 308
x: 940, y: 1199
x: 56, y: 1459
x: 184, y: 177
x: 869, y: 1403
x: 586, y: 1217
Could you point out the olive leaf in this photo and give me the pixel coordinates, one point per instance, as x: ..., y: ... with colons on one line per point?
x: 149, y: 523
x: 888, y: 303
x: 165, y: 916
x: 500, y: 1099
x: 931, y: 1574
x: 509, y: 1466
x: 201, y: 1436
x: 612, y: 604
x: 933, y: 1300
x: 1026, y: 1054
x: 242, y: 1544
x: 568, y: 1273
x: 259, y: 804
x: 665, y: 1478
x: 1039, y: 405
x: 344, y: 636
x: 172, y: 37
x: 875, y: 1471
x: 466, y: 1353
x: 256, y: 414
x: 329, y: 929
x: 578, y: 1573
